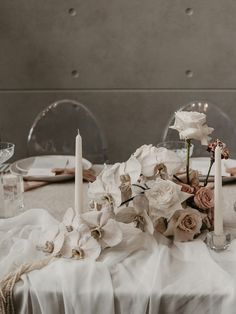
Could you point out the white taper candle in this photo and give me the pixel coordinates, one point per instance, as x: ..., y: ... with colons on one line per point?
x: 218, y: 213
x: 78, y: 175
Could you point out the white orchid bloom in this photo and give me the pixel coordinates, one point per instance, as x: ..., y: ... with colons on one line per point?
x: 146, y: 155
x: 104, y: 194
x: 112, y: 174
x: 150, y: 157
x: 170, y: 159
x: 108, y: 186
x: 103, y: 227
x: 71, y: 239
x: 53, y: 239
x: 132, y: 167
x: 79, y: 244
x: 138, y: 215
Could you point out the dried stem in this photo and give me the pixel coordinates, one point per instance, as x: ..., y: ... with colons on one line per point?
x: 188, y: 144
x: 209, y: 170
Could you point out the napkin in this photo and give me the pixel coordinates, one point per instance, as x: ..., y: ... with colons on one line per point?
x: 202, y: 166
x: 40, y: 172
x: 46, y: 163
x: 88, y: 176
x: 43, y: 167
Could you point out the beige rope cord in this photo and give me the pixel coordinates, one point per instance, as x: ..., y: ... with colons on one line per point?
x: 8, y: 282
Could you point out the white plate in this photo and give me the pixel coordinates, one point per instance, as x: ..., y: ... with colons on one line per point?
x: 202, y: 165
x: 46, y: 162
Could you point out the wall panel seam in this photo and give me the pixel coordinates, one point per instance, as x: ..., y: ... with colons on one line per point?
x: 117, y: 90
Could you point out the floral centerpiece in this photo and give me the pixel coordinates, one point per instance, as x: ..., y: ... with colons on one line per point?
x: 145, y: 194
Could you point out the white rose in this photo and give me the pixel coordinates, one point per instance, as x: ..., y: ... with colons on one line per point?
x: 165, y: 197
x: 192, y: 125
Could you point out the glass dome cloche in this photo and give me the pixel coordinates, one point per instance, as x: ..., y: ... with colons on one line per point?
x: 224, y: 128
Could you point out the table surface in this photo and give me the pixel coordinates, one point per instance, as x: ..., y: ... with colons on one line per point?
x: 57, y: 197
x: 183, y: 278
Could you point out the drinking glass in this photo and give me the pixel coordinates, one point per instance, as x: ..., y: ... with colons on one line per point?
x: 6, y: 151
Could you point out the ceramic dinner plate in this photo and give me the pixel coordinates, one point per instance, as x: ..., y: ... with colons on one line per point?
x: 47, y: 163
x: 202, y: 165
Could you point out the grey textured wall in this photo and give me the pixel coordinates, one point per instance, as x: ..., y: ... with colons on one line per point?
x: 131, y: 62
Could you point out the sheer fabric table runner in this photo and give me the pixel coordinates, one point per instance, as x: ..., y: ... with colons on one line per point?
x: 154, y: 278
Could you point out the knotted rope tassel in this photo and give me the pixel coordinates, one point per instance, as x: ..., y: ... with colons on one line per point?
x: 8, y: 282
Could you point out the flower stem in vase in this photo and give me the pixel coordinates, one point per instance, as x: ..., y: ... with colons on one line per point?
x: 188, y: 144
x: 208, y: 173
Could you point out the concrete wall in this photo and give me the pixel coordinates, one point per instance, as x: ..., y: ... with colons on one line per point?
x: 133, y: 63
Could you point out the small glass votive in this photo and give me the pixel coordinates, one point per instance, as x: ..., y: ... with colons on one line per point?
x: 218, y: 242
x: 11, y: 195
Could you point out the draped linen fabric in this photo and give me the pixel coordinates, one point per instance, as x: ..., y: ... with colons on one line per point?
x: 146, y: 274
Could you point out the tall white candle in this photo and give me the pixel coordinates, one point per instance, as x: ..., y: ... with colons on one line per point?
x: 78, y: 175
x: 218, y: 213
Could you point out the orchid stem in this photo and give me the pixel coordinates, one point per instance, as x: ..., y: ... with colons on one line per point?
x: 129, y: 200
x: 188, y: 144
x: 140, y: 186
x: 178, y: 179
x: 208, y: 173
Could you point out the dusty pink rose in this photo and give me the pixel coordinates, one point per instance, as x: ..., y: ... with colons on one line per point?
x: 204, y: 198
x: 186, y: 188
x: 184, y: 225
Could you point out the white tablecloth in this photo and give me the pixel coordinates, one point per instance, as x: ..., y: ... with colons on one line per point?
x: 148, y: 277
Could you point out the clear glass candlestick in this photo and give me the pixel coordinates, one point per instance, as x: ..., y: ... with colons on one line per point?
x: 218, y: 242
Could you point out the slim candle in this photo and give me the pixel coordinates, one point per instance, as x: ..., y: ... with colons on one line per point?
x: 78, y: 175
x: 218, y: 214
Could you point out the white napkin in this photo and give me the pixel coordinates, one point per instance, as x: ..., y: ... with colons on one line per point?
x: 202, y: 165
x: 49, y: 163
x: 43, y: 166
x: 40, y: 172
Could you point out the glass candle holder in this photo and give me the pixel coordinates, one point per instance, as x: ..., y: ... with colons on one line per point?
x: 218, y: 242
x: 11, y: 195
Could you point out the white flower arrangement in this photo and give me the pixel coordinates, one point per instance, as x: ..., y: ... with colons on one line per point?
x: 143, y: 194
